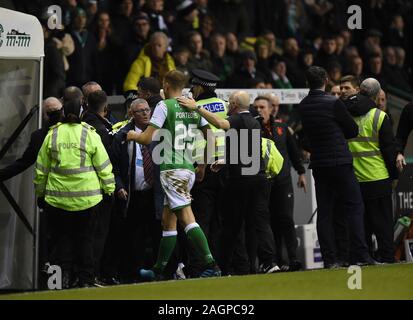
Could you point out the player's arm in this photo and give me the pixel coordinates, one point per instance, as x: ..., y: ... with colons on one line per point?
x: 209, y: 116
x: 142, y: 138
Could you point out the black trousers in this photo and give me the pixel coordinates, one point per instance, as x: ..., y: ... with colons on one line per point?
x: 102, y: 224
x: 207, y: 207
x: 133, y: 240
x: 282, y: 220
x: 142, y: 234
x: 379, y: 221
x: 74, y: 247
x: 339, y: 186
x: 246, y: 201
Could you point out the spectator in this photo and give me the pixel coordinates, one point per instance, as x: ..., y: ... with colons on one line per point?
x: 139, y: 37
x: 334, y: 71
x: 108, y: 47
x: 306, y: 59
x: 394, y: 74
x: 262, y: 51
x: 341, y: 55
x: 243, y: 77
x: 187, y: 14
x: 296, y: 18
x: 279, y: 77
x: 122, y: 22
x: 181, y: 57
x: 290, y: 56
x: 327, y: 54
x: 222, y: 65
x: 232, y: 16
x: 269, y: 36
x: 83, y: 60
x: 396, y: 36
x: 153, y: 61
x: 155, y: 10
x: 375, y: 63
x: 233, y: 50
x: 356, y: 67
x: 91, y: 11
x: 199, y: 56
x: 207, y: 29
x: 54, y: 80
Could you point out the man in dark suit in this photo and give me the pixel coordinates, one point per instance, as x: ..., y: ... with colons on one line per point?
x: 52, y: 112
x: 327, y: 124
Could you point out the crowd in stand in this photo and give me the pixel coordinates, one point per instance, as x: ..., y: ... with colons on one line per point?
x: 248, y: 44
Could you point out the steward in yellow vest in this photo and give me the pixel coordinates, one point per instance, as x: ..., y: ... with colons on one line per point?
x: 374, y: 160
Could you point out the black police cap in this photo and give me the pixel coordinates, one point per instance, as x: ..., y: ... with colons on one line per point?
x: 204, y: 78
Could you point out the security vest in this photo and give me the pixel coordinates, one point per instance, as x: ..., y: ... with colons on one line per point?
x: 73, y: 168
x: 368, y: 161
x: 119, y: 125
x: 219, y: 107
x: 272, y: 157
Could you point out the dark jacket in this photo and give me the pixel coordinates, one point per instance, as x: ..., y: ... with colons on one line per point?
x: 359, y: 105
x: 124, y: 174
x: 54, y: 71
x: 327, y: 124
x: 286, y: 145
x: 405, y: 127
x: 29, y: 156
x: 153, y: 101
x: 83, y: 61
x: 103, y: 128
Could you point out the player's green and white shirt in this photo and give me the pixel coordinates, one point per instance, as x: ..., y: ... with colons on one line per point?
x: 181, y: 125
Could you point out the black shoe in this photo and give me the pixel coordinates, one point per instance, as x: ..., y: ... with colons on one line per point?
x: 110, y: 281
x: 295, y: 265
x: 367, y: 262
x: 344, y: 264
x: 333, y: 265
x: 269, y: 268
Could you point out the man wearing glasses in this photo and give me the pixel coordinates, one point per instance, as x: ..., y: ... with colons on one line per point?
x: 133, y: 169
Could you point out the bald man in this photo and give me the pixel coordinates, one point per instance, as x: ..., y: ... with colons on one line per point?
x: 52, y: 112
x: 248, y: 190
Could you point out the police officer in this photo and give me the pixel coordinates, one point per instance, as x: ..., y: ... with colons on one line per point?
x: 374, y: 160
x: 208, y: 193
x: 73, y: 170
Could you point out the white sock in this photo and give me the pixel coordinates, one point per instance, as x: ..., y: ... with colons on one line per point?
x: 169, y: 233
x: 191, y: 226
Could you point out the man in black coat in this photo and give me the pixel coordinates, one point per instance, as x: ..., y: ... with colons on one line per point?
x: 52, y: 112
x: 94, y: 116
x: 83, y: 60
x: 327, y: 124
x: 403, y: 131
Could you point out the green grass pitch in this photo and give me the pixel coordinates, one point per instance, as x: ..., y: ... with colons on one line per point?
x: 378, y: 282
